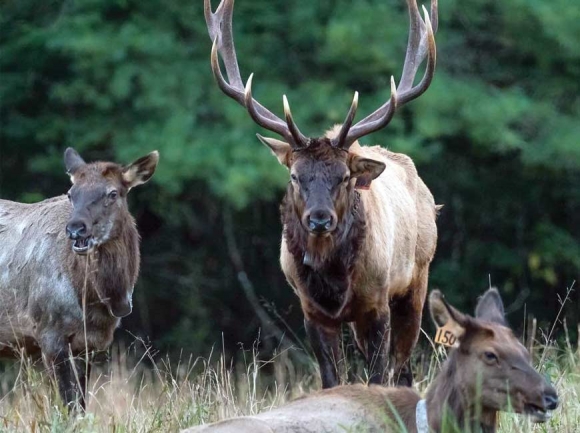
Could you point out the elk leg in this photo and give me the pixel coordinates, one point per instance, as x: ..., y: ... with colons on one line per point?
x: 406, y: 312
x: 83, y: 366
x: 378, y: 336
x: 326, y: 346
x: 57, y: 361
x: 64, y: 374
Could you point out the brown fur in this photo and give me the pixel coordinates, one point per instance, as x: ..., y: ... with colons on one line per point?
x: 455, y: 391
x: 372, y: 270
x: 348, y: 264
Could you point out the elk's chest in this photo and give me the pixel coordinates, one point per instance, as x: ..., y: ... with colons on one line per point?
x: 327, y: 289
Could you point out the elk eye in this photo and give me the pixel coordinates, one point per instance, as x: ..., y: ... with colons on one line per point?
x: 113, y: 195
x: 294, y: 178
x: 490, y: 357
x: 346, y: 178
x: 68, y: 195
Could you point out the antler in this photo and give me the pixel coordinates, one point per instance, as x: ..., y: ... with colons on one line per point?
x: 219, y: 26
x: 421, y: 44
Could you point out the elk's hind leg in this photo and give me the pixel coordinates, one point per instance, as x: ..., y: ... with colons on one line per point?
x: 406, y: 313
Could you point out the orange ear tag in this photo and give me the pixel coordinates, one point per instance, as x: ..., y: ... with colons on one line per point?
x: 446, y: 336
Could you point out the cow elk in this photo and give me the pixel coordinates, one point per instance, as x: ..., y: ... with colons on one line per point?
x: 68, y: 266
x: 359, y: 223
x: 489, y: 371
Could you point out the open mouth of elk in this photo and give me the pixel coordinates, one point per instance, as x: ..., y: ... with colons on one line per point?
x: 83, y: 246
x: 537, y: 413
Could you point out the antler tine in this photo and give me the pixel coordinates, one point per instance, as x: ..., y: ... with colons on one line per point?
x: 409, y: 94
x: 245, y: 98
x: 278, y: 127
x: 413, y: 55
x: 231, y: 91
x: 296, y: 134
x: 362, y: 129
x: 421, y: 44
x: 339, y: 140
x: 219, y: 25
x: 434, y: 16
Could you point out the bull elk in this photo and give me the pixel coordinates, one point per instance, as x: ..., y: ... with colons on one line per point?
x: 359, y: 223
x: 489, y: 371
x: 54, y: 292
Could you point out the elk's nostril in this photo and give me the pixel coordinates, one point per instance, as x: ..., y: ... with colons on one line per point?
x: 76, y: 230
x: 550, y: 401
x: 320, y: 224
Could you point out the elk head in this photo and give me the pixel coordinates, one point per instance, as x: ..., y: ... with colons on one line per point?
x: 99, y: 197
x: 492, y: 366
x: 323, y: 171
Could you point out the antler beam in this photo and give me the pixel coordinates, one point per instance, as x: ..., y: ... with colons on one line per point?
x: 219, y: 26
x: 421, y: 44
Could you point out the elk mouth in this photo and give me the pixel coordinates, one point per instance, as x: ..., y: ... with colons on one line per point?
x: 537, y: 413
x: 320, y: 233
x: 83, y: 246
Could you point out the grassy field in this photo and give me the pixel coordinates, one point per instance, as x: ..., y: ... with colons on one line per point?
x: 133, y: 393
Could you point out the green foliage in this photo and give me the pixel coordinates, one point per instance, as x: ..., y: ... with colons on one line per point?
x: 495, y: 137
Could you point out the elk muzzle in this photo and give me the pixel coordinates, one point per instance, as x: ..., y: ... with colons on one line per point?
x: 550, y: 399
x: 546, y: 401
x: 79, y: 232
x: 320, y: 221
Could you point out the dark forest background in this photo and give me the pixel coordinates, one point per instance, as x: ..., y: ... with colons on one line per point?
x: 495, y: 138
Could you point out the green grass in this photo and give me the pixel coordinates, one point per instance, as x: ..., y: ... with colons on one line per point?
x: 136, y: 394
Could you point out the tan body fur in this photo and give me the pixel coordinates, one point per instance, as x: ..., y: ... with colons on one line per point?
x: 390, y: 272
x: 399, y: 244
x: 361, y: 258
x: 351, y: 408
x: 489, y: 371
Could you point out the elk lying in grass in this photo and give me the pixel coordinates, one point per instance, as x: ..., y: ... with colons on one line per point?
x: 489, y: 371
x: 52, y: 296
x: 359, y: 223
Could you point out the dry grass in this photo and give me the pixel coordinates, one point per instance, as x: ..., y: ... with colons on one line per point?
x: 136, y: 394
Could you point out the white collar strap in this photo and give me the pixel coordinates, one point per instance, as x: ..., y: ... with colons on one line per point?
x: 421, y: 417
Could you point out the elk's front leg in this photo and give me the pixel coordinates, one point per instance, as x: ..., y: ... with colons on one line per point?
x: 83, y: 366
x: 372, y: 332
x: 326, y: 345
x: 63, y: 369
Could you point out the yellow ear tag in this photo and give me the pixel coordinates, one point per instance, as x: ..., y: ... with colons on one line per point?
x: 446, y: 336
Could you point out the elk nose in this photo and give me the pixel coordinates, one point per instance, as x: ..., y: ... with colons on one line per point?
x: 550, y: 400
x: 76, y: 230
x: 319, y: 221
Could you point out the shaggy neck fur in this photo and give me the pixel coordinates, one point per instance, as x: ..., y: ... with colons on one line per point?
x: 448, y: 403
x: 111, y: 270
x: 330, y: 261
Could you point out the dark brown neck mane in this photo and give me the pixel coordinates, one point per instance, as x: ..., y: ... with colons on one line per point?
x: 112, y: 269
x: 326, y: 264
x: 448, y: 403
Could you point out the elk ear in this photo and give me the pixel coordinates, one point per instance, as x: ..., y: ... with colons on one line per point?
x: 141, y: 170
x: 365, y: 170
x: 280, y: 149
x: 490, y: 307
x: 72, y: 162
x: 444, y: 314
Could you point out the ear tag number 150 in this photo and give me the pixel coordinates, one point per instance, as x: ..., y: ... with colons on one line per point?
x: 445, y: 336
